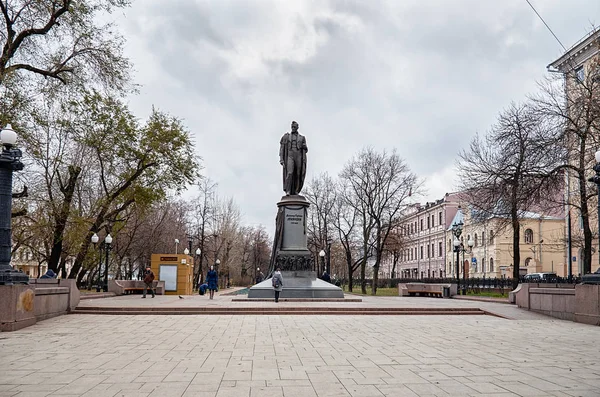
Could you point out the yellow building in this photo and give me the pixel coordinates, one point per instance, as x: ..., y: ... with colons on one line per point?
x: 541, y: 246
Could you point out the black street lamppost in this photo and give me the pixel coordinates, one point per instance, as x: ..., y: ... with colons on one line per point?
x: 198, y: 253
x: 106, y: 244
x: 457, y: 231
x: 329, y: 241
x: 95, y: 240
x: 107, y: 247
x: 10, y: 160
x: 596, y: 180
x: 322, y: 255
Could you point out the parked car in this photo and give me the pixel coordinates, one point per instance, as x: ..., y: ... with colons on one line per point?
x: 546, y: 277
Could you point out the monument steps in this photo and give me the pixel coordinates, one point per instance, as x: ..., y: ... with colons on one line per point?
x: 276, y: 311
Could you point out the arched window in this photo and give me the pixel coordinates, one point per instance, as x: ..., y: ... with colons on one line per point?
x: 528, y: 236
x: 483, y: 238
x: 475, y: 245
x: 491, y: 265
x: 482, y: 260
x: 491, y: 237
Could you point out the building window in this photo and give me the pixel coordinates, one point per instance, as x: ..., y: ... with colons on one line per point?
x: 432, y: 220
x: 528, y: 236
x: 440, y: 248
x: 421, y: 252
x: 475, y: 242
x: 482, y: 261
x: 428, y: 222
x: 428, y: 249
x: 483, y: 238
x: 421, y: 224
x: 580, y: 73
x: 491, y: 265
x: 450, y: 244
x: 491, y: 237
x: 440, y: 218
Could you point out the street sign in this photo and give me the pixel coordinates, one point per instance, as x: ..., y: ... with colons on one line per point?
x: 474, y: 260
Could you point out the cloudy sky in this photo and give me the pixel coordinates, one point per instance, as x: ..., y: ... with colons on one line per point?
x: 421, y: 76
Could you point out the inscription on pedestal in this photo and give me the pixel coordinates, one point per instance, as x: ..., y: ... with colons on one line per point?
x: 294, y: 228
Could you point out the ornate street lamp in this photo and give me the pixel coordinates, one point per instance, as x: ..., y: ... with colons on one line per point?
x: 198, y: 253
x: 95, y: 240
x: 457, y: 231
x: 322, y: 255
x: 176, y: 244
x: 186, y: 251
x: 10, y: 160
x: 107, y: 246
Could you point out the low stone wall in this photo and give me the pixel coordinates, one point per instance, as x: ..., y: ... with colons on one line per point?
x: 24, y: 305
x: 580, y: 303
x: 425, y: 288
x: 119, y: 286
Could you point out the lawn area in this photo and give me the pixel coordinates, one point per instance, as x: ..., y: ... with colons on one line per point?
x: 380, y: 291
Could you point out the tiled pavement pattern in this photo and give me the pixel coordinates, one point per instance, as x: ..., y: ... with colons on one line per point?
x: 305, y: 356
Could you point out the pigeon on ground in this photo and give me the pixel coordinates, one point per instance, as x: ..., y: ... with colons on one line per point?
x: 180, y: 297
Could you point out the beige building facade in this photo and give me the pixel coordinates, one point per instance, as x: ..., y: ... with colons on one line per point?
x: 541, y: 244
x: 423, y: 230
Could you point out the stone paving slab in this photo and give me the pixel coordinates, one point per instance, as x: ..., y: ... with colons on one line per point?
x: 324, y: 355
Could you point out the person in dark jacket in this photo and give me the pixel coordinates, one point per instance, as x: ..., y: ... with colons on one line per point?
x: 148, y: 281
x: 202, y: 288
x: 212, y: 280
x: 49, y: 274
x: 277, y: 282
x: 326, y: 277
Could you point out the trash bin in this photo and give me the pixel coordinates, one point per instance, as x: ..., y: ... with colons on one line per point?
x: 446, y: 292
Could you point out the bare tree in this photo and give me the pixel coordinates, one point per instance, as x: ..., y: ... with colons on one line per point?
x: 380, y: 183
x: 203, y: 219
x: 321, y: 194
x: 345, y: 223
x: 514, y: 168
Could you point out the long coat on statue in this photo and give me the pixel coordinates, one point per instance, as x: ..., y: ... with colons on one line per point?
x: 297, y: 166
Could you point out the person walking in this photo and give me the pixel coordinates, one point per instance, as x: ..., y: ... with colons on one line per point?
x: 277, y: 283
x: 212, y: 279
x: 148, y: 281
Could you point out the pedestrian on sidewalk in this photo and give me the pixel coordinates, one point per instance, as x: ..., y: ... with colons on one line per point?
x: 212, y: 279
x: 277, y: 283
x: 148, y: 281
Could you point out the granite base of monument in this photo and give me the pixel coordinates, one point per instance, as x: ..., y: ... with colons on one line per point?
x: 290, y: 253
x: 300, y: 284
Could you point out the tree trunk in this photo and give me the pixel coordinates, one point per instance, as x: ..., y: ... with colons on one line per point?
x: 60, y: 221
x: 516, y: 226
x: 375, y: 279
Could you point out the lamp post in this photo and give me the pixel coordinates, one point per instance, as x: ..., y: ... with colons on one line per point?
x: 329, y: 241
x: 457, y: 231
x: 176, y: 244
x: 322, y: 255
x: 198, y: 255
x: 95, y: 240
x: 10, y: 160
x: 107, y: 246
x: 217, y: 263
x: 596, y: 180
x: 186, y: 251
x: 470, y: 243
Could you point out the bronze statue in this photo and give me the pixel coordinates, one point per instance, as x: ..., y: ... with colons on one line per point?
x: 292, y: 155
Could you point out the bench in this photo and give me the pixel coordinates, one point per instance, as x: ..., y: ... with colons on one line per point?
x: 126, y: 287
x: 422, y: 289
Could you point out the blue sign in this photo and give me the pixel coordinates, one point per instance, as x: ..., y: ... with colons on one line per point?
x: 574, y: 259
x: 474, y: 260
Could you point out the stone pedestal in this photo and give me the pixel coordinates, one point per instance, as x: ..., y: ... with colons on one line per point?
x: 293, y: 257
x: 17, y: 308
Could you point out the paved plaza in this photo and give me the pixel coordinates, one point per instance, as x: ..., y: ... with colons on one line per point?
x: 300, y: 355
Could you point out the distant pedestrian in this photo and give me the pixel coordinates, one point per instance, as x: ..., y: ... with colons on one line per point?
x: 148, y: 281
x: 212, y: 279
x: 202, y: 288
x: 326, y: 277
x: 277, y: 282
x: 260, y: 277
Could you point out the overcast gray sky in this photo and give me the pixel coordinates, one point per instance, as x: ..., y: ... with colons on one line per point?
x: 422, y: 76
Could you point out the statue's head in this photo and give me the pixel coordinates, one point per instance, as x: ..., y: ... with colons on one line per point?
x: 294, y: 126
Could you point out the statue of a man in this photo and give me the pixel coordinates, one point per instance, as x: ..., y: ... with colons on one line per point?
x: 292, y: 155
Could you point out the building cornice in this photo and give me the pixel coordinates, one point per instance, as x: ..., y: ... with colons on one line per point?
x: 577, y: 54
